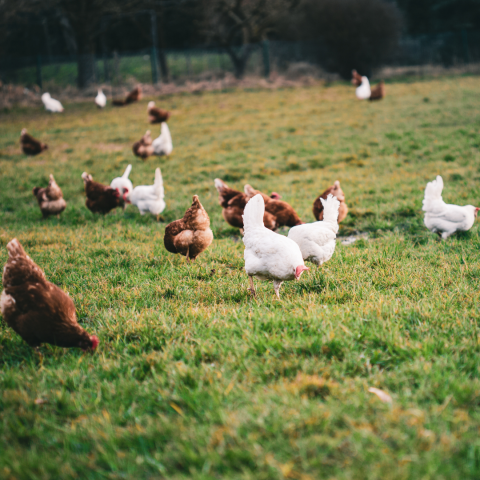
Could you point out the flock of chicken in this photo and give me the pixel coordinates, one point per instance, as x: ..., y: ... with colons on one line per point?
x: 40, y: 312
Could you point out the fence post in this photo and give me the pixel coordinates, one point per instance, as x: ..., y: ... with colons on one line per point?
x: 465, y: 46
x: 153, y: 60
x: 266, y: 58
x: 39, y: 71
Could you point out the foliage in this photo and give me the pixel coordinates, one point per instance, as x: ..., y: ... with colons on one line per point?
x: 195, y: 379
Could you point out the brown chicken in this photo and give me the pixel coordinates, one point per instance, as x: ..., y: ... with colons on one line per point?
x: 156, y: 115
x: 378, y: 92
x: 337, y: 192
x: 50, y: 199
x: 30, y: 145
x: 283, y: 213
x: 191, y: 235
x: 134, y: 96
x: 36, y: 309
x: 233, y: 203
x: 143, y: 148
x: 100, y: 198
x: 356, y: 78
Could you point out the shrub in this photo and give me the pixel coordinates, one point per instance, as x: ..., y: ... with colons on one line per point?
x: 351, y: 34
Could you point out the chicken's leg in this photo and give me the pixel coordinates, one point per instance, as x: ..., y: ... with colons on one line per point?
x: 188, y: 258
x: 276, y: 286
x: 252, y: 286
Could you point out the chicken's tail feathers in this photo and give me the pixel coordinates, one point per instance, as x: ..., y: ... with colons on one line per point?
x: 127, y: 171
x: 158, y: 184
x: 253, y: 213
x: 164, y: 130
x: 23, y: 132
x: 433, y: 194
x: 220, y: 185
x: 330, y: 209
x: 15, y: 249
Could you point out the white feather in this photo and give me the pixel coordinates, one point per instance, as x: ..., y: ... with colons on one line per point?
x: 149, y: 198
x: 101, y: 99
x: 123, y: 183
x: 51, y: 105
x: 163, y: 145
x: 363, y: 91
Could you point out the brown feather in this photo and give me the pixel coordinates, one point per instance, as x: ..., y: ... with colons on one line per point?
x: 191, y: 234
x: 100, y: 198
x: 50, y: 199
x: 337, y: 192
x: 36, y: 309
x: 30, y: 145
x: 134, y: 96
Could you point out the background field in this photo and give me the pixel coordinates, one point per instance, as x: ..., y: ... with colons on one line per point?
x: 195, y: 379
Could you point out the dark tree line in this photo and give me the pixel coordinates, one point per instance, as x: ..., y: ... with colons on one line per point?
x: 348, y: 33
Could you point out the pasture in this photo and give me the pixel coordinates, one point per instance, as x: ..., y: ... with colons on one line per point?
x: 193, y: 378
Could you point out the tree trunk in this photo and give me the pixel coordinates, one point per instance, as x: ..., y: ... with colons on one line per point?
x: 162, y: 57
x: 86, y: 69
x: 239, y: 61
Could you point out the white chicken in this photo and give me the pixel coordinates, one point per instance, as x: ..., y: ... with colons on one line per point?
x: 100, y: 99
x: 163, y: 144
x: 363, y: 91
x: 123, y: 184
x: 317, y: 240
x: 442, y: 218
x: 148, y: 198
x: 268, y: 255
x: 51, y: 105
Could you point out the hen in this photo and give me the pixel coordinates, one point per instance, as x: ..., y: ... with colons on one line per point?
x: 50, y: 199
x: 317, y: 240
x: 442, y: 218
x: 36, y: 309
x: 51, y: 105
x: 191, y: 235
x: 148, y: 198
x: 123, y: 183
x: 100, y: 198
x: 363, y: 90
x: 100, y: 99
x: 283, y: 213
x: 233, y: 203
x: 143, y: 148
x: 156, y: 115
x: 378, y: 92
x: 337, y: 192
x: 30, y: 145
x: 268, y: 255
x: 134, y: 96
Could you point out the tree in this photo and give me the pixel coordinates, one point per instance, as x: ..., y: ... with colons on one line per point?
x: 236, y: 24
x: 351, y: 34
x: 82, y: 17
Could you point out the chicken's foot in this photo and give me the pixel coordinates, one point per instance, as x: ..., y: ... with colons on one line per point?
x: 251, y: 289
x: 276, y: 286
x: 160, y: 217
x: 188, y: 258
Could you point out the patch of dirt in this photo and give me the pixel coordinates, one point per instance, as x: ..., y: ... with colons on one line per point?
x: 352, y: 238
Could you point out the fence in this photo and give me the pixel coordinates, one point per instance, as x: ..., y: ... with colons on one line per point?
x: 206, y: 63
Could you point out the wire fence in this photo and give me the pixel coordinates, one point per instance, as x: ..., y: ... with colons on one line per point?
x: 208, y: 63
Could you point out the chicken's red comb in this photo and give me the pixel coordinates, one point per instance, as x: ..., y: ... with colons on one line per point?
x: 95, y: 341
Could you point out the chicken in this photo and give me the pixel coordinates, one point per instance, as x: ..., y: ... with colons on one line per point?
x: 362, y: 91
x: 191, y: 235
x: 442, y: 218
x: 123, y: 184
x: 156, y: 115
x: 317, y: 240
x: 143, y: 148
x: 100, y: 99
x: 50, y: 199
x: 275, y: 196
x: 283, y: 213
x: 337, y: 192
x: 162, y: 145
x: 100, y: 198
x: 134, y: 96
x: 148, y: 198
x: 233, y: 203
x: 30, y: 145
x: 268, y: 255
x: 378, y: 92
x: 39, y: 311
x: 51, y: 105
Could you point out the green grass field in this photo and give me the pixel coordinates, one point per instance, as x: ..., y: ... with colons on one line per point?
x: 195, y: 379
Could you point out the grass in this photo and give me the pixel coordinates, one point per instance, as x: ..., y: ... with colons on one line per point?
x: 195, y: 379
